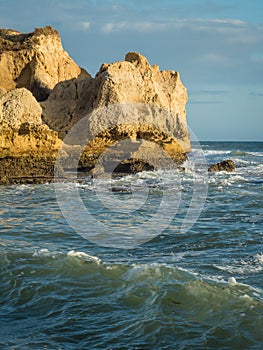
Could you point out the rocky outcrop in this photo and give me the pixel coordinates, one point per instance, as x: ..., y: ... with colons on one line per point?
x: 45, y: 97
x: 28, y: 148
x: 19, y: 106
x: 31, y: 63
x: 226, y: 165
x: 26, y: 170
x: 133, y: 83
x: 35, y: 60
x: 22, y: 132
x: 126, y: 99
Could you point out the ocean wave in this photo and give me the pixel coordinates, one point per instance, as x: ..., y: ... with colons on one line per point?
x: 258, y: 167
x: 45, y: 253
x: 225, y: 179
x: 216, y: 152
x: 241, y: 270
x: 231, y: 152
x: 257, y: 154
x: 239, y: 162
x: 129, y: 272
x: 83, y: 256
x: 254, y: 265
x: 239, y: 153
x: 80, y: 286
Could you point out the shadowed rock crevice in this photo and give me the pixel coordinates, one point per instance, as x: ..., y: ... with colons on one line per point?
x: 141, y: 138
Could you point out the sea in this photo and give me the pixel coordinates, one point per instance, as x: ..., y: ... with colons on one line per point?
x: 165, y: 259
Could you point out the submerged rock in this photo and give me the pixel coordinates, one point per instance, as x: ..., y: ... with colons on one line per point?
x: 226, y: 165
x: 132, y: 166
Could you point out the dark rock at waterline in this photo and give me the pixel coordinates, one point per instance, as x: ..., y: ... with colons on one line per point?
x: 132, y: 166
x: 226, y: 165
x: 26, y: 170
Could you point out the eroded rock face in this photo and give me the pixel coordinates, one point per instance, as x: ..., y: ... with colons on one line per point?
x: 22, y: 132
x: 226, y: 165
x: 44, y: 95
x: 28, y: 148
x: 35, y: 60
x: 127, y: 99
x: 133, y: 82
x: 19, y: 106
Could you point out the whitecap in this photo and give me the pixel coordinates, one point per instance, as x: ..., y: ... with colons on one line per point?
x: 232, y: 280
x: 258, y: 258
x: 83, y: 256
x: 257, y: 154
x: 43, y: 253
x: 216, y: 152
x: 239, y: 153
x: 241, y: 269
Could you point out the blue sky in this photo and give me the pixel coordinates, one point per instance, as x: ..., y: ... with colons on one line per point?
x: 216, y: 45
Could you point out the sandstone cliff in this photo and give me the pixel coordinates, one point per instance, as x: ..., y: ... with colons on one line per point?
x: 44, y: 95
x: 22, y: 132
x: 35, y: 60
x: 131, y: 81
x: 28, y: 148
x: 126, y: 99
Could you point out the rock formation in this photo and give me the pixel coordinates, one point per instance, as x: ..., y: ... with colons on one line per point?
x: 35, y: 60
x: 19, y: 106
x: 22, y: 132
x: 133, y: 81
x: 127, y: 99
x: 226, y: 165
x: 45, y: 96
x: 28, y: 147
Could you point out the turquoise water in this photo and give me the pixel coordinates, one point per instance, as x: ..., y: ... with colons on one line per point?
x: 199, y: 289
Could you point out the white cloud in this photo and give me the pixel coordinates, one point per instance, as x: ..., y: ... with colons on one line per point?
x: 141, y: 26
x: 213, y: 58
x: 116, y: 26
x: 228, y: 21
x: 150, y: 26
x: 192, y: 24
x: 85, y: 25
x: 209, y: 25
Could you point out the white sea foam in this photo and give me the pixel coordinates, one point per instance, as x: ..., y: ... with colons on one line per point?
x: 83, y: 256
x: 216, y: 152
x: 45, y: 253
x: 258, y: 258
x: 237, y: 177
x: 240, y: 162
x: 232, y: 280
x: 242, y: 268
x: 259, y: 167
x: 257, y: 154
x: 225, y: 179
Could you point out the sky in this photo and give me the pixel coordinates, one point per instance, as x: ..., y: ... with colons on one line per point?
x: 215, y: 45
